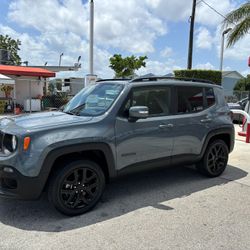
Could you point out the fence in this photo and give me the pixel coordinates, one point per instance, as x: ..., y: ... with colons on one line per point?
x: 55, y: 101
x: 235, y: 96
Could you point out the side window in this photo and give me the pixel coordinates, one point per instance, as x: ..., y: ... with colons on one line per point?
x: 157, y: 99
x: 210, y: 97
x: 190, y: 99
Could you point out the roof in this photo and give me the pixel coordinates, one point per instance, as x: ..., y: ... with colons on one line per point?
x: 25, y: 71
x: 59, y: 68
x: 140, y: 81
x: 232, y: 74
x: 6, y: 80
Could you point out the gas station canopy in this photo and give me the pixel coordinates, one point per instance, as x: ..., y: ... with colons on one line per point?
x: 25, y: 71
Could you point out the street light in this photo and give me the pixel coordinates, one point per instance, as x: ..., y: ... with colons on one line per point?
x: 60, y: 59
x: 222, y: 47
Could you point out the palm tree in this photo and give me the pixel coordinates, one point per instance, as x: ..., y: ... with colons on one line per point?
x: 240, y: 18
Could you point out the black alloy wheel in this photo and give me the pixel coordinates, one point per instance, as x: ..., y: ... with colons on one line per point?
x: 77, y: 187
x: 215, y: 159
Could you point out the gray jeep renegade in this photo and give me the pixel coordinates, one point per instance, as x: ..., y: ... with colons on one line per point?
x: 111, y: 128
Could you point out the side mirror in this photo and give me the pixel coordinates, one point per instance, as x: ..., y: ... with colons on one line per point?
x: 138, y: 112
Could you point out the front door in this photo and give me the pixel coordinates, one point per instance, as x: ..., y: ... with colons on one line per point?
x: 145, y: 139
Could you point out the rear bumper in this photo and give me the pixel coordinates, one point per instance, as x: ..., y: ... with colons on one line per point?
x: 18, y: 186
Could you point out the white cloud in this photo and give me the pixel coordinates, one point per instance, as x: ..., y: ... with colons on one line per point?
x: 240, y: 51
x: 158, y: 67
x: 167, y: 52
x: 204, y: 38
x: 207, y: 65
x: 32, y: 49
x: 50, y: 15
x: 245, y: 72
x: 171, y: 10
x: 131, y: 26
x: 126, y: 25
x: 207, y: 16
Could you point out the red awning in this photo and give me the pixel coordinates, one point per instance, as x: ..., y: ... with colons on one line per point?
x: 25, y: 71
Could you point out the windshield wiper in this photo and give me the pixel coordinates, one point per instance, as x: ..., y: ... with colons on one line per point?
x: 68, y: 112
x: 76, y: 110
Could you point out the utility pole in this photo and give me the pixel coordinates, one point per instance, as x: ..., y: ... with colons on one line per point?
x: 91, y: 78
x: 91, y: 38
x: 191, y: 37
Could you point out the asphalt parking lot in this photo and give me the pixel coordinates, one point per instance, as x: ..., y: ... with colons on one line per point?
x: 174, y: 208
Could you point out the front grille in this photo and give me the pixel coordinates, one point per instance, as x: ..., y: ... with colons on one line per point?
x: 1, y: 141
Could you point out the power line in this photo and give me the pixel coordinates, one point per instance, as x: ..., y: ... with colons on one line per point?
x: 220, y: 14
x: 198, y: 2
x: 216, y: 11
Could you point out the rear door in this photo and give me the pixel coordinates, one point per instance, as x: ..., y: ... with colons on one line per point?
x: 193, y: 120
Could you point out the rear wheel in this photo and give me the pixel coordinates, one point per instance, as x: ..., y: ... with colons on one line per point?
x: 77, y: 187
x: 215, y: 159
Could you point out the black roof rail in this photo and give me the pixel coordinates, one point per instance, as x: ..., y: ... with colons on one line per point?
x: 156, y: 78
x: 114, y: 79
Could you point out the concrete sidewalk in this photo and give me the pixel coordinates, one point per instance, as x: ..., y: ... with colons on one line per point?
x: 173, y: 208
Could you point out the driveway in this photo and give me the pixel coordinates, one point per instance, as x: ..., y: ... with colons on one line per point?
x: 173, y: 208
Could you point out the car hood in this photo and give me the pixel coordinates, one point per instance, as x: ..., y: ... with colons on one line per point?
x: 43, y: 120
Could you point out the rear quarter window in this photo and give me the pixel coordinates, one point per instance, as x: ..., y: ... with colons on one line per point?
x: 189, y: 99
x: 210, y: 97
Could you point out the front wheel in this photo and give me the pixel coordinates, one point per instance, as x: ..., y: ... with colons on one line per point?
x: 76, y: 187
x: 214, y: 160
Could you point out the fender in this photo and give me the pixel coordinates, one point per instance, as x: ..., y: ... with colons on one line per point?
x: 229, y: 130
x: 55, y: 153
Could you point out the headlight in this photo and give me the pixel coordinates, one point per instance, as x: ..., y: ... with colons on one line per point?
x: 9, y: 143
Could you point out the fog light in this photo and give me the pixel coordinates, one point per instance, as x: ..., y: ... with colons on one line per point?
x: 8, y: 170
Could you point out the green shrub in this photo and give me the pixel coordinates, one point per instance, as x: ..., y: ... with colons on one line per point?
x: 210, y: 75
x: 243, y: 84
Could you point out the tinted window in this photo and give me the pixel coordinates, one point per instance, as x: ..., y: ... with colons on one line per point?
x: 157, y: 100
x: 190, y: 99
x: 210, y: 96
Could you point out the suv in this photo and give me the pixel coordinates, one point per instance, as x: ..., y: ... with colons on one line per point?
x: 111, y: 128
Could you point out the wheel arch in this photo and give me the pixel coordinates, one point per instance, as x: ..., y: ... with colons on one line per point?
x: 100, y: 153
x: 224, y: 134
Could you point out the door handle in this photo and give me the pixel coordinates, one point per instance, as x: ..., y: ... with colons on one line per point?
x: 170, y: 125
x: 206, y: 120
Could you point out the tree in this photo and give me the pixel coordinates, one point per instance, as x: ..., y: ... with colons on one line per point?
x: 125, y: 67
x: 59, y: 84
x: 11, y: 45
x: 241, y: 19
x: 243, y: 84
x: 51, y: 88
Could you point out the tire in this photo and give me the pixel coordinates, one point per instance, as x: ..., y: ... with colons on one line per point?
x: 76, y: 187
x: 215, y: 159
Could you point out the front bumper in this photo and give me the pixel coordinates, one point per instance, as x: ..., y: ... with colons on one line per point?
x: 16, y: 185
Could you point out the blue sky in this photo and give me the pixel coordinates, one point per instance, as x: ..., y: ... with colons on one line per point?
x: 156, y: 28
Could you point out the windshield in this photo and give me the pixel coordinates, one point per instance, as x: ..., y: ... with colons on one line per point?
x: 93, y: 100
